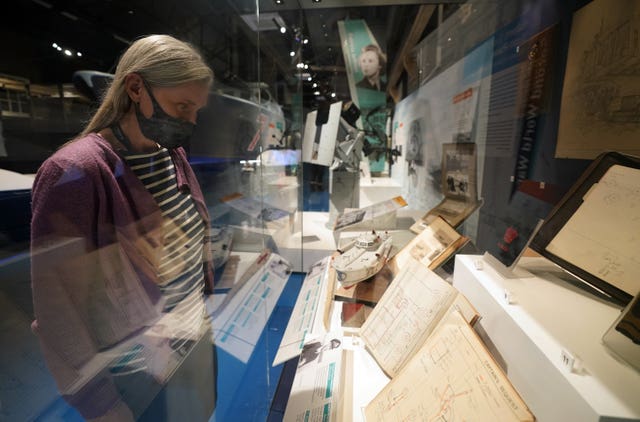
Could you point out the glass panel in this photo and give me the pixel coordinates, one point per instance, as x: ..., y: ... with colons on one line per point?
x: 331, y: 127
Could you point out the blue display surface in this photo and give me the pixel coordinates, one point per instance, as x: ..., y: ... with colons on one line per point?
x: 246, y: 391
x: 256, y: 391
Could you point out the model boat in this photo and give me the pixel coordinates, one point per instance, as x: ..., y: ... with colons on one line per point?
x: 362, y: 258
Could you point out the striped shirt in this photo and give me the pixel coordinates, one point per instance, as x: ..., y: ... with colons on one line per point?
x: 179, y: 264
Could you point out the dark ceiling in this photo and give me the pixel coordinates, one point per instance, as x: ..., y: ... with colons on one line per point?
x: 230, y: 34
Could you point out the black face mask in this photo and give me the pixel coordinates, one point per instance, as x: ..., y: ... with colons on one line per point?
x: 165, y: 130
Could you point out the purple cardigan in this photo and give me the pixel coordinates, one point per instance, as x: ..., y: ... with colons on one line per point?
x: 95, y: 236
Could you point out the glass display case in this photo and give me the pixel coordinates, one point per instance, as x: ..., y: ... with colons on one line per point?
x: 339, y: 142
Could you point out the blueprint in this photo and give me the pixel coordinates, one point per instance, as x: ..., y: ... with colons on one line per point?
x: 451, y: 378
x: 408, y: 312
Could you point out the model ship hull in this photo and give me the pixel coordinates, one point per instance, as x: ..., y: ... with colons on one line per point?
x: 356, y: 264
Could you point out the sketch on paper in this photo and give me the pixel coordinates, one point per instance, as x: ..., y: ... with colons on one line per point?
x: 600, y: 108
x: 601, y: 237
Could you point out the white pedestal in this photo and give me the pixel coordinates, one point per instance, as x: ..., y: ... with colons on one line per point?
x: 308, y: 242
x: 378, y: 189
x: 547, y: 317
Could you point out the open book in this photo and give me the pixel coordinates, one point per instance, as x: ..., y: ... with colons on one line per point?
x: 433, y: 246
x: 408, y: 312
x: 451, y: 376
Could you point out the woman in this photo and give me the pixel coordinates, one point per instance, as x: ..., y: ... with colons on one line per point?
x: 119, y: 236
x: 372, y: 63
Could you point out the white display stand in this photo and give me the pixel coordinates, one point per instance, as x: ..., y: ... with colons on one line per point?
x: 308, y: 240
x: 378, y: 189
x: 536, y: 327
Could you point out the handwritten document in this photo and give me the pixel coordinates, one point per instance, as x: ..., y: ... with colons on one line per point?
x: 407, y: 313
x: 451, y: 378
x: 603, y: 236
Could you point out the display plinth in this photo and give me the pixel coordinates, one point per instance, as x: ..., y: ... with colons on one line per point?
x: 531, y: 324
x: 308, y: 242
x: 377, y: 189
x: 344, y: 191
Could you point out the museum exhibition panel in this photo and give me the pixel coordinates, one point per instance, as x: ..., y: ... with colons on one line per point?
x: 411, y: 210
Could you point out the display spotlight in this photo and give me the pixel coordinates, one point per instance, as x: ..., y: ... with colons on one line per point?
x: 280, y: 24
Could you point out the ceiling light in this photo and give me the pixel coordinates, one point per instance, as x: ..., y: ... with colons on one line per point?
x: 69, y: 16
x: 292, y: 53
x: 67, y: 53
x: 277, y: 20
x: 310, y: 79
x: 79, y: 54
x: 278, y: 1
x: 333, y: 95
x: 316, y: 1
x: 43, y: 3
x: 121, y: 39
x: 315, y: 85
x: 59, y: 48
x: 316, y: 93
x: 305, y: 41
x: 54, y: 45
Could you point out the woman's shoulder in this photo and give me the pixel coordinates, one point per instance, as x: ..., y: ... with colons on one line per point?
x: 87, y: 153
x: 90, y: 148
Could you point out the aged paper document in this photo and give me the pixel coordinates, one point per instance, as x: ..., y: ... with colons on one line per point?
x: 451, y: 377
x: 432, y: 246
x: 603, y: 236
x: 599, y: 110
x: 407, y: 313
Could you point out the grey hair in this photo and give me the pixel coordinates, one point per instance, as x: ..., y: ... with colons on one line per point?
x: 161, y: 60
